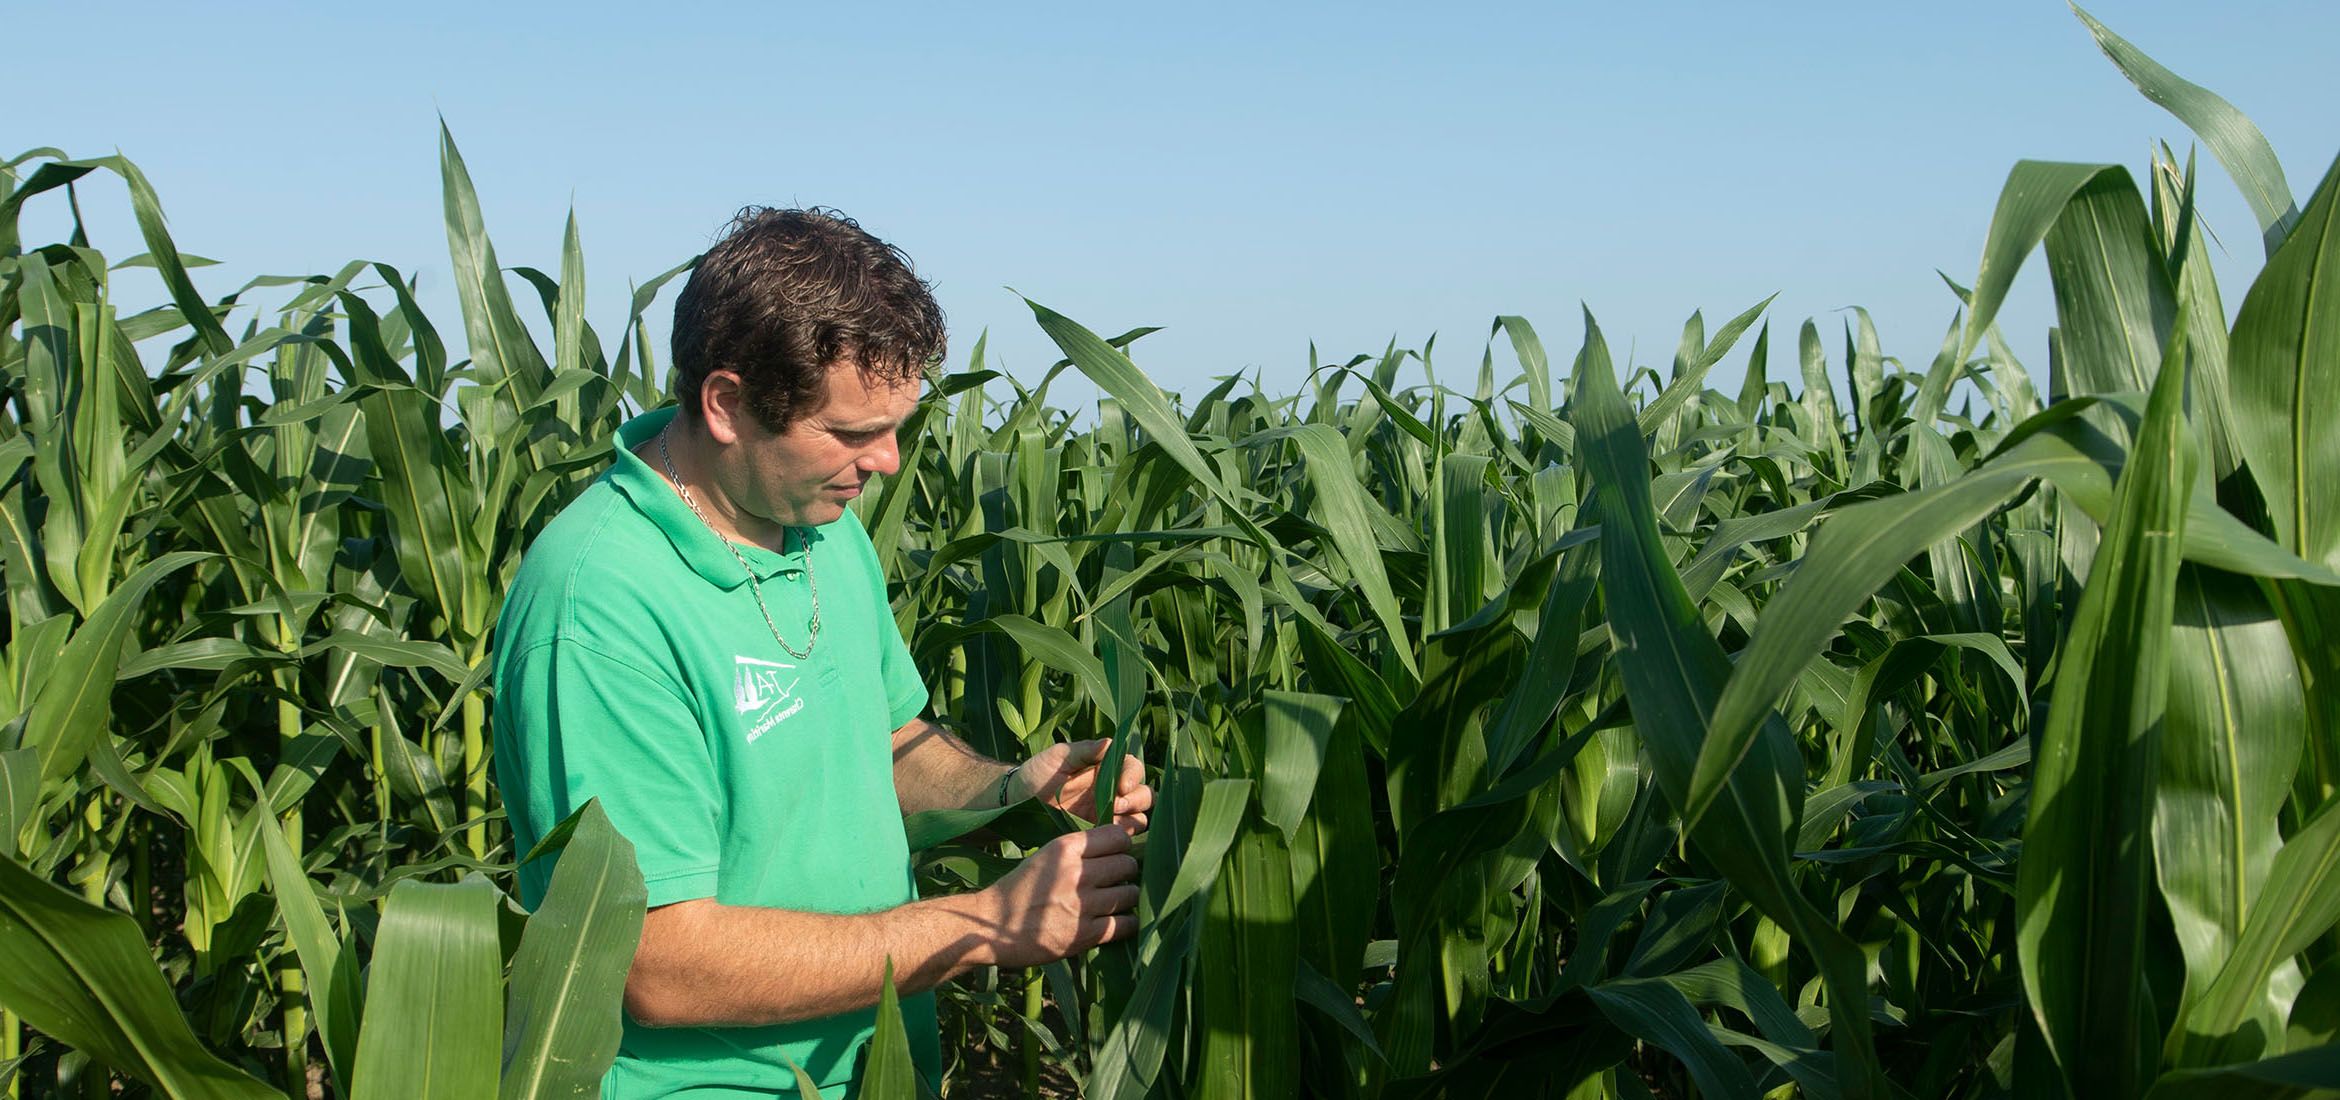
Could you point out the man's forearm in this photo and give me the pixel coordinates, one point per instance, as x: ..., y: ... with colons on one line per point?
x: 934, y: 770
x: 706, y: 964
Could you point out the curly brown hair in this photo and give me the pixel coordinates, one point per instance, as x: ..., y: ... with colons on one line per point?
x: 786, y: 294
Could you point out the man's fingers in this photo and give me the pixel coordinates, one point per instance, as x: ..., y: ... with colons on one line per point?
x: 1120, y: 926
x: 1085, y: 754
x: 1133, y: 823
x: 1110, y: 900
x: 1109, y: 870
x: 1104, y: 840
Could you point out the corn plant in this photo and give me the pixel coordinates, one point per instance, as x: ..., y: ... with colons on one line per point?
x: 1576, y: 730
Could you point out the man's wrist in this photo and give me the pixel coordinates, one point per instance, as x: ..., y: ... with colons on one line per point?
x: 969, y: 926
x: 1006, y: 779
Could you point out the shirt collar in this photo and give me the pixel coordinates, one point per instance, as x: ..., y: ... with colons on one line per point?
x: 655, y: 497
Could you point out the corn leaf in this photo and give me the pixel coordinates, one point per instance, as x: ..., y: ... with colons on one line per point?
x: 562, y: 1020
x: 889, y: 1073
x: 2228, y: 754
x: 434, y: 1006
x: 2081, y: 887
x: 82, y: 974
x: 2232, y: 138
x: 1674, y: 671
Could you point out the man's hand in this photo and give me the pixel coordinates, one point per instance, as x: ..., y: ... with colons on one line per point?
x: 1065, y: 776
x: 1074, y: 893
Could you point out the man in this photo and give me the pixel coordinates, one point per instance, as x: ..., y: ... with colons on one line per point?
x: 702, y: 641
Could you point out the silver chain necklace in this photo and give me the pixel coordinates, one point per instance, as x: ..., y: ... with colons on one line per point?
x: 813, y: 628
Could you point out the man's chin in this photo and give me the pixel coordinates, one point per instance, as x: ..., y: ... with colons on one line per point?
x: 819, y: 514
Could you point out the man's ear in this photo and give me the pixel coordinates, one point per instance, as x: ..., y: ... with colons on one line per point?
x: 723, y: 405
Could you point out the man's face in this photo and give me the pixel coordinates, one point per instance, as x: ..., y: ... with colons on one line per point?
x: 805, y: 475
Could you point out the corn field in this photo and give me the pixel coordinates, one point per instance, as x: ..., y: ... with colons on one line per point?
x: 1573, y: 731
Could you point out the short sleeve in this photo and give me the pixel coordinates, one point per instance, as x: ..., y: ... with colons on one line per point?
x: 906, y: 695
x: 575, y: 724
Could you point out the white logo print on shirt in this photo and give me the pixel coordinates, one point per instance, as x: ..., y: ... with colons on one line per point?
x: 766, y: 689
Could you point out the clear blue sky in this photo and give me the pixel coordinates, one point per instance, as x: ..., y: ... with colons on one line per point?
x: 1252, y: 177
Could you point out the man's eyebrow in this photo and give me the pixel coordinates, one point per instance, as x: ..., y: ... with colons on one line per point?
x: 878, y: 425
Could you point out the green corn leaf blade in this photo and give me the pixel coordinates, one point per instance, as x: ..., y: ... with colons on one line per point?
x: 1819, y: 399
x: 1855, y: 553
x: 2303, y: 1073
x: 1438, y: 752
x: 20, y: 797
x: 927, y: 828
x: 1327, y: 996
x: 1113, y: 372
x: 2034, y: 199
x: 197, y: 654
x: 889, y: 1073
x: 1655, y: 1012
x: 1143, y: 402
x: 393, y: 653
x: 47, y: 177
x: 1248, y: 956
x: 1343, y: 508
x: 2285, y: 371
x: 1736, y: 985
x: 2114, y: 301
x: 473, y: 680
x: 1673, y: 672
x: 1755, y: 384
x: 1336, y: 861
x: 1534, y: 364
x: 434, y: 999
x: 2207, y: 356
x: 63, y: 413
x: 1902, y: 663
x: 146, y: 207
x: 2228, y: 753
x: 1215, y: 829
x: 2311, y: 614
x: 1971, y: 597
x: 806, y: 1087
x: 2232, y: 137
x: 501, y: 349
x: 569, y: 332
x: 2315, y: 1013
x: 1862, y: 547
x: 2299, y: 904
x: 1126, y: 669
x: 1865, y: 360
x: 2113, y: 295
x: 418, y: 468
x: 82, y: 974
x: 1690, y: 380
x: 2081, y: 887
x: 563, y: 1015
x: 1551, y: 660
x: 1053, y: 647
x: 332, y: 988
x: 1461, y: 568
x: 1298, y: 729
x: 1130, y: 1061
x: 76, y: 704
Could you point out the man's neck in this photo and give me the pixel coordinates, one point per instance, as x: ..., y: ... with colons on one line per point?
x: 684, y: 456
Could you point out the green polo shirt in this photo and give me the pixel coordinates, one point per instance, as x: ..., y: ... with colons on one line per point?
x: 632, y: 665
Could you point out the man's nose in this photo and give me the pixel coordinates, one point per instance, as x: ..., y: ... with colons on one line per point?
x: 884, y: 458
